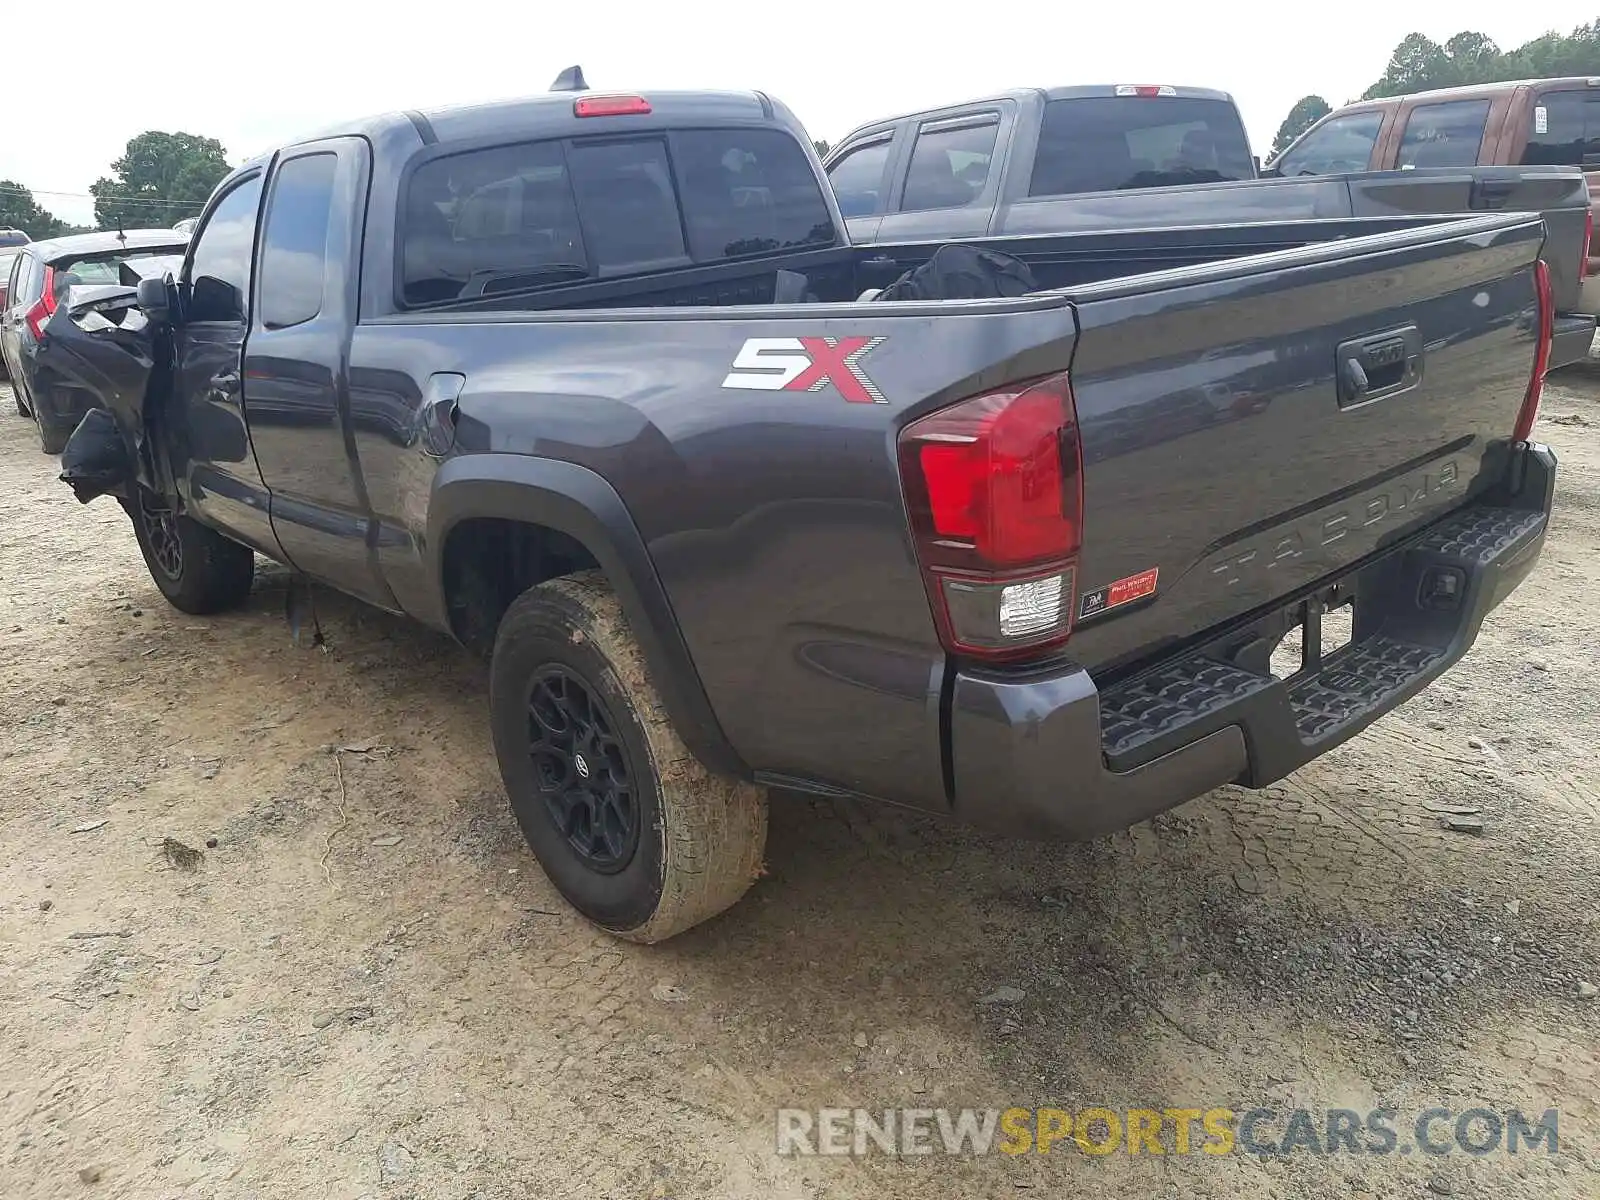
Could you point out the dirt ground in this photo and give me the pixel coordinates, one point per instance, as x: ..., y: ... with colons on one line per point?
x: 366, y: 987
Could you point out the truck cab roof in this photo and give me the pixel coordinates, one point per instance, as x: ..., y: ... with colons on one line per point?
x: 1067, y: 92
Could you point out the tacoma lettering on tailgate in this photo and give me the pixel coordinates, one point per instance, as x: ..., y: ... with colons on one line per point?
x: 1334, y: 524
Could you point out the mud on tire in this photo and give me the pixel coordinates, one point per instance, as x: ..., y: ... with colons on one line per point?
x: 632, y: 829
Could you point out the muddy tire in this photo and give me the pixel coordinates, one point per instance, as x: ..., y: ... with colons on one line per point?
x: 197, y: 569
x: 639, y: 837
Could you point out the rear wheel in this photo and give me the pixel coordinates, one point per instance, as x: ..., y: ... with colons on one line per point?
x: 197, y: 569
x: 639, y: 837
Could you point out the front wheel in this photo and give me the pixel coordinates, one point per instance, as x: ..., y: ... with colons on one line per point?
x: 197, y: 569
x: 634, y: 831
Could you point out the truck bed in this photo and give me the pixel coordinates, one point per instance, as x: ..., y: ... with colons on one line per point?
x: 1216, y: 447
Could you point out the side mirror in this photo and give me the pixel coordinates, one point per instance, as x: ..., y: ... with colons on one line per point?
x: 154, y: 298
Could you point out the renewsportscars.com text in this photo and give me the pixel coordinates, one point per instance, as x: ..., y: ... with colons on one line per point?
x: 1216, y: 1131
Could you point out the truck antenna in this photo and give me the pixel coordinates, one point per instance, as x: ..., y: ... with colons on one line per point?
x: 570, y: 80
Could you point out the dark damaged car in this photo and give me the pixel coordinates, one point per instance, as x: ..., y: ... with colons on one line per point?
x: 598, y: 385
x: 38, y: 341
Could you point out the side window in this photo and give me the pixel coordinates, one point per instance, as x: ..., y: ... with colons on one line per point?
x: 219, y: 269
x: 949, y: 164
x: 13, y: 283
x: 1444, y: 135
x: 294, y: 242
x: 33, y: 284
x: 857, y: 178
x: 1564, y: 131
x: 1339, y: 144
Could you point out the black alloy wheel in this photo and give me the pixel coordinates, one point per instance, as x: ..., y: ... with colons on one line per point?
x: 581, y: 769
x: 160, y: 527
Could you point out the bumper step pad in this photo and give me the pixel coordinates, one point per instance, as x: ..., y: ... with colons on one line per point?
x: 1405, y: 643
x: 1353, y: 680
x: 1172, y: 699
x: 1480, y: 535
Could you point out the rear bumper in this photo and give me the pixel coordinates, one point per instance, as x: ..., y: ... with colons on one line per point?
x: 1572, y: 338
x: 1050, y: 755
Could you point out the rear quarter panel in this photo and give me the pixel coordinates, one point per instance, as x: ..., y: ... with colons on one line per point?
x: 774, y: 519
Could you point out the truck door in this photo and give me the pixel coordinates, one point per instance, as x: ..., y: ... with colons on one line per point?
x: 296, y: 365
x: 212, y: 444
x: 950, y: 183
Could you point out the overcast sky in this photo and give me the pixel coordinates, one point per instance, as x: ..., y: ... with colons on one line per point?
x: 256, y: 75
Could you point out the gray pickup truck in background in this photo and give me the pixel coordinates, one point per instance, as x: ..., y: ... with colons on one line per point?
x: 522, y: 372
x: 1155, y: 160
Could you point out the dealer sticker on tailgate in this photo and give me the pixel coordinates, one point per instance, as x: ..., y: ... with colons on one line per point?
x: 1114, y: 595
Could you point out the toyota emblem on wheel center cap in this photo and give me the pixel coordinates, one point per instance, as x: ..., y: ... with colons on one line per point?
x: 583, y: 767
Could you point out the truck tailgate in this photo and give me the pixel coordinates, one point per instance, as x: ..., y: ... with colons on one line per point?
x: 1230, y: 458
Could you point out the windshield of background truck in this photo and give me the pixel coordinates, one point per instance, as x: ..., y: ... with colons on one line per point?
x: 1113, y: 143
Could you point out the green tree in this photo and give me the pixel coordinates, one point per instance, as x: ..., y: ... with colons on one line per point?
x: 1419, y: 63
x: 1307, y: 111
x: 160, y: 178
x: 19, y: 210
x: 822, y: 147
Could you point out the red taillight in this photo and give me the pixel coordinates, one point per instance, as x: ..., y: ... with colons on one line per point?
x: 1544, y: 330
x: 994, y: 485
x: 44, y: 307
x: 610, y: 106
x: 1146, y: 89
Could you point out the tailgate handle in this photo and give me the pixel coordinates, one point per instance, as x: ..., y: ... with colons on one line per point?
x: 1378, y: 366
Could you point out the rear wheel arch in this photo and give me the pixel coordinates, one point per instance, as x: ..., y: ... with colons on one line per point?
x: 499, y: 524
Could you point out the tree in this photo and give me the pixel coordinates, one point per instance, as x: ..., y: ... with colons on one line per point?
x: 160, y: 178
x: 1307, y: 111
x: 1419, y: 63
x: 19, y: 210
x: 822, y: 147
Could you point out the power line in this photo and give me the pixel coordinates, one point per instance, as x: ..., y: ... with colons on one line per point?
x: 22, y: 190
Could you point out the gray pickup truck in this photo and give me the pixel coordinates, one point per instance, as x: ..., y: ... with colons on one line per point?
x: 521, y: 372
x: 1157, y: 160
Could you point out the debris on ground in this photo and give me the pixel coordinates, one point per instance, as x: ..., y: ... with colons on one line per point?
x: 181, y: 857
x: 394, y: 1162
x: 88, y: 826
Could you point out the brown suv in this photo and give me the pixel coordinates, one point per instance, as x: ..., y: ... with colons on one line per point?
x: 1532, y: 122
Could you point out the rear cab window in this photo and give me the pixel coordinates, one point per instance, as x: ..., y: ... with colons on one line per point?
x: 1564, y: 130
x: 1114, y: 143
x: 1447, y: 134
x: 541, y: 213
